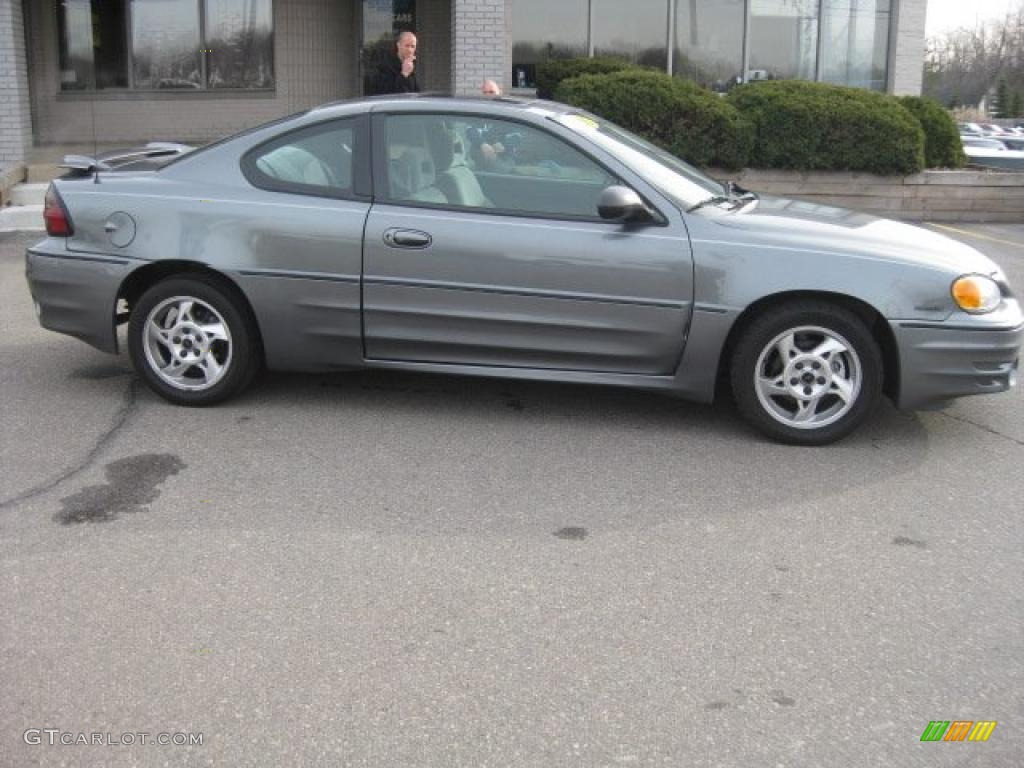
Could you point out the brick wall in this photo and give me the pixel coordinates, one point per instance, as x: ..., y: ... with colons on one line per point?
x: 315, y: 61
x: 15, y: 114
x: 479, y: 45
x: 906, y: 61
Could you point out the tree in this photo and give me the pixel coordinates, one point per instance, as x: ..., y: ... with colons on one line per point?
x: 1002, y: 101
x: 968, y: 63
x: 1016, y: 105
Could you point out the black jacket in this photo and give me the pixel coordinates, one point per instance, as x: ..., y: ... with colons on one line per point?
x: 389, y: 79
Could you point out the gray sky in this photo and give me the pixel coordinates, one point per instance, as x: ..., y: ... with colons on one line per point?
x: 946, y: 15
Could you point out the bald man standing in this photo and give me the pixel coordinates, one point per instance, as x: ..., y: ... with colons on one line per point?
x: 397, y: 74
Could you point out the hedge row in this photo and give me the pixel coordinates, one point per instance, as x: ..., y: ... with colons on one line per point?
x: 942, y: 145
x: 551, y: 73
x: 816, y: 126
x: 773, y: 124
x: 687, y: 120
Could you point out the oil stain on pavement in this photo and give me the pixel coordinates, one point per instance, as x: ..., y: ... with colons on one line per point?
x: 903, y: 541
x: 100, y: 372
x: 132, y: 484
x: 572, y: 533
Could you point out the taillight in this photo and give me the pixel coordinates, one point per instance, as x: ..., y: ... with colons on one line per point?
x: 58, y: 223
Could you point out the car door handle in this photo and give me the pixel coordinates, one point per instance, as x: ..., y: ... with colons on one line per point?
x: 407, y: 238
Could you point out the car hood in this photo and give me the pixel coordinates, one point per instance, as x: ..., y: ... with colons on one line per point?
x: 827, y: 229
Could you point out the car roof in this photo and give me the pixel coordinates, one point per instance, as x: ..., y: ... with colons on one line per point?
x: 530, y: 109
x: 427, y: 102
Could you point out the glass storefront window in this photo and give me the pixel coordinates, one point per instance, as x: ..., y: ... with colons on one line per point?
x: 543, y: 30
x: 240, y: 39
x: 165, y: 44
x: 783, y: 39
x: 709, y: 42
x: 856, y: 42
x: 92, y: 44
x: 635, y: 31
x: 383, y: 21
x: 158, y: 45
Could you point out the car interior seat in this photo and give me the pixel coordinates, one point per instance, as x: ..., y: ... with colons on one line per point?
x: 454, y: 177
x: 414, y: 171
x: 296, y: 165
x: 411, y: 171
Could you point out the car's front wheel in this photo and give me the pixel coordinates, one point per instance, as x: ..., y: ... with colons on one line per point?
x: 808, y: 373
x: 191, y: 341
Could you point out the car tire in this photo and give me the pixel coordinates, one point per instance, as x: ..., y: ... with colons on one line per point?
x: 192, y: 341
x: 808, y: 373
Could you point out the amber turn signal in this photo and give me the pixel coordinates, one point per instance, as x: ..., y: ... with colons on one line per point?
x: 976, y: 294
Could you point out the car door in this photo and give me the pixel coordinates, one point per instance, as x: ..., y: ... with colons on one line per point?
x: 496, y: 256
x: 302, y: 236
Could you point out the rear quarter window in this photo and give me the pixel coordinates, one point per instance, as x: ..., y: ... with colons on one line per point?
x: 316, y: 160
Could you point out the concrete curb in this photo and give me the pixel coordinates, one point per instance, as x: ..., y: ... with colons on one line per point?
x: 10, y: 176
x: 967, y: 196
x: 22, y: 218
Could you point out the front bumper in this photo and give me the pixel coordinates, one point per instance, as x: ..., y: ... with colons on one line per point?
x: 941, y: 361
x: 75, y: 293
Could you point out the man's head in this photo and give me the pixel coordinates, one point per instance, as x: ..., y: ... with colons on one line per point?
x: 490, y: 88
x: 406, y: 45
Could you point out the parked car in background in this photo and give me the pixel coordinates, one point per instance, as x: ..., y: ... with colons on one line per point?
x: 970, y: 129
x: 991, y: 129
x: 378, y: 233
x: 984, y: 142
x: 992, y: 152
x: 1013, y: 142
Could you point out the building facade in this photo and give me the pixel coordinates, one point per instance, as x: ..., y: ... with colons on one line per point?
x: 76, y: 72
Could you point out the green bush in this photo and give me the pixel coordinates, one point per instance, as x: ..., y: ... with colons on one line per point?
x: 679, y: 116
x: 551, y: 73
x: 942, y: 145
x: 816, y: 126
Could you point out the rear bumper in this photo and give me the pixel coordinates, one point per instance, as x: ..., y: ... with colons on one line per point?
x: 939, y: 362
x: 75, y: 293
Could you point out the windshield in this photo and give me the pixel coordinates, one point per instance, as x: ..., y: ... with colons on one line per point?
x: 677, y: 180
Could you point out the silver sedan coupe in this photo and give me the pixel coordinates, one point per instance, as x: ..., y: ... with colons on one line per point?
x: 510, y: 238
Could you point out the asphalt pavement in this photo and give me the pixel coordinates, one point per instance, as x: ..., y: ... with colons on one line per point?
x: 385, y: 569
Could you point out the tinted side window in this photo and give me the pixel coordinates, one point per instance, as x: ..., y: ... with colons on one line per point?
x: 314, y: 160
x: 473, y: 162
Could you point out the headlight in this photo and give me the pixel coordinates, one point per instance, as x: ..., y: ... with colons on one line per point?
x: 976, y: 294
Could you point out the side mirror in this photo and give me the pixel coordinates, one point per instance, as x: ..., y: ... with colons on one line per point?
x: 622, y: 204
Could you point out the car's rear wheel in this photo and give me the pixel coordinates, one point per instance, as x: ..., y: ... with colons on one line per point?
x: 191, y: 341
x: 809, y: 373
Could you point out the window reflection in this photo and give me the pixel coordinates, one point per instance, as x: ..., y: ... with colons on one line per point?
x: 709, y: 42
x: 165, y: 44
x: 543, y: 30
x: 635, y: 31
x: 166, y: 50
x: 240, y: 41
x: 783, y: 39
x: 92, y: 44
x: 856, y: 36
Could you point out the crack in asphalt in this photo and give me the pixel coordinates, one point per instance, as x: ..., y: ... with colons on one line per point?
x: 120, y: 420
x: 982, y: 427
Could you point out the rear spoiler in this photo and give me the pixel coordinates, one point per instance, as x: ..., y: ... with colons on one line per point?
x: 158, y: 152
